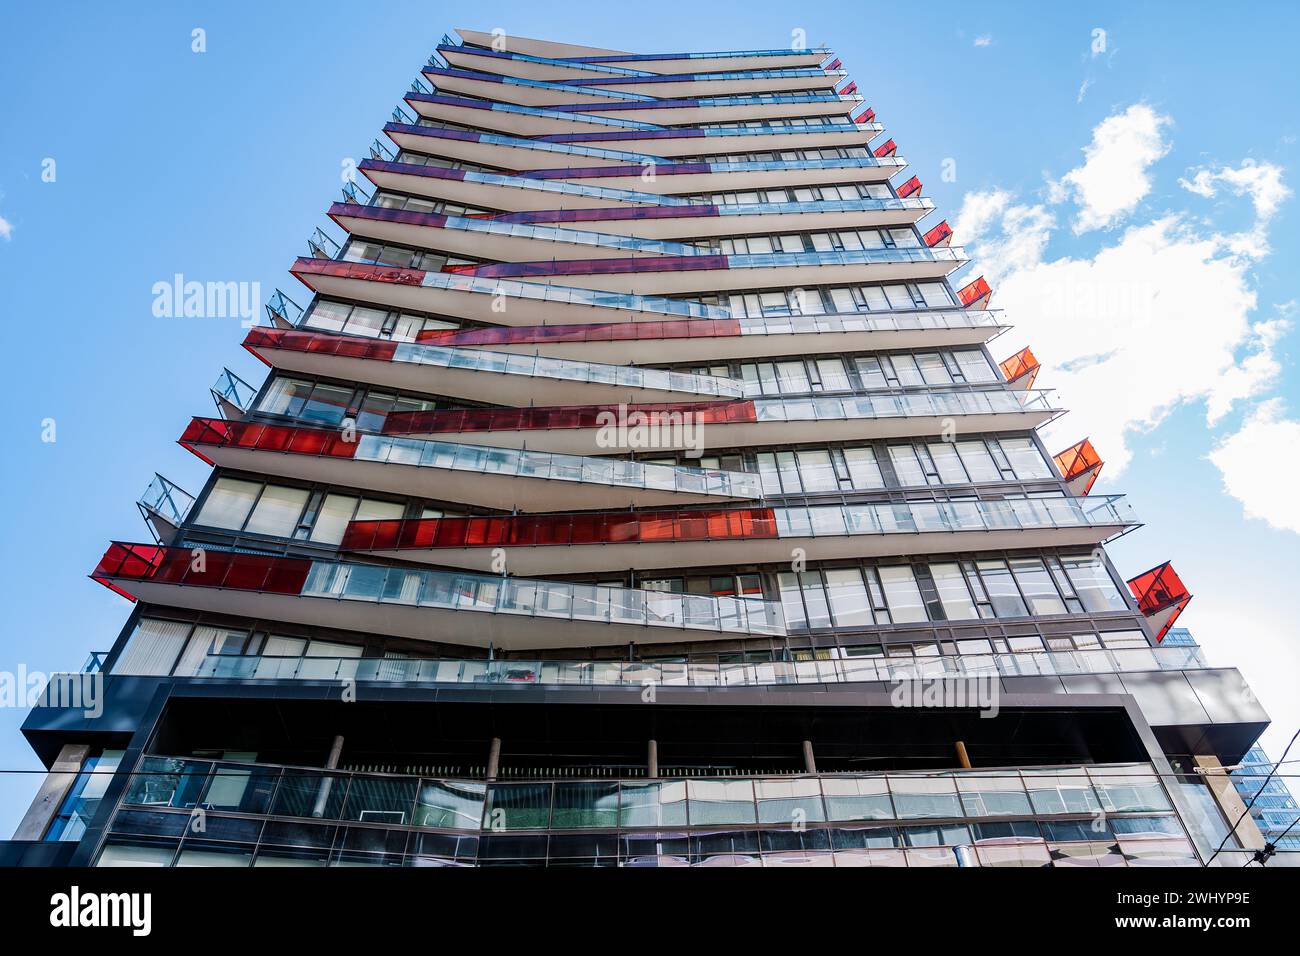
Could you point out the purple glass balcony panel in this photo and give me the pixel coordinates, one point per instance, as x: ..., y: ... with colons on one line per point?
x: 586, y: 267
x: 682, y: 133
x: 469, y: 136
x: 411, y: 169
x: 611, y: 332
x: 591, y: 172
x: 450, y: 421
x: 386, y: 214
x: 598, y: 215
x: 623, y: 527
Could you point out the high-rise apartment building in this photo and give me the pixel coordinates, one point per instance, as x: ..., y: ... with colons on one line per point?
x: 637, y: 487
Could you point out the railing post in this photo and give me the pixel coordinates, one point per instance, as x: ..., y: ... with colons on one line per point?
x: 327, y: 784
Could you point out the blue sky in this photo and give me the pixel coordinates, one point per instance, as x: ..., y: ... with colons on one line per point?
x: 218, y: 165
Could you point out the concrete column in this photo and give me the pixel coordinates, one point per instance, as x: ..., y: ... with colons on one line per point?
x: 327, y: 785
x: 809, y: 761
x: 58, y: 781
x: 1230, y: 802
x: 494, y: 758
x: 652, y: 759
x: 963, y: 758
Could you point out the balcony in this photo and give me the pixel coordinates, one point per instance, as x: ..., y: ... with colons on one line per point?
x: 487, y: 476
x: 678, y: 141
x: 469, y: 297
x: 514, y: 120
x: 699, y: 221
x: 496, y: 238
x: 164, y: 506
x: 505, y: 152
x: 975, y: 294
x: 499, y: 378
x: 683, y: 275
x: 446, y: 607
x: 714, y: 339
x: 1021, y: 369
x: 505, y: 192
x: 591, y: 543
x: 638, y: 674
x: 1080, y: 466
x: 1161, y: 596
x: 691, y: 178
x: 554, y: 70
x: 681, y: 427
x: 232, y: 395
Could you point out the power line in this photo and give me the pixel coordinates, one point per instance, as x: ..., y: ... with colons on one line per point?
x: 1244, y: 812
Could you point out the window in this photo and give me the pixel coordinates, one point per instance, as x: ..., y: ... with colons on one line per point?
x: 1037, y: 587
x: 277, y: 511
x: 1093, y: 583
x: 1001, y: 588
x: 904, y: 597
x: 849, y: 600
x: 953, y: 594
x: 228, y: 503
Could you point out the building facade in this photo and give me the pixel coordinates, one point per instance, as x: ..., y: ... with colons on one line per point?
x: 638, y: 486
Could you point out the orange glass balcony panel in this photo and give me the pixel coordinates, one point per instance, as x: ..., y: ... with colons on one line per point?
x: 561, y: 416
x: 940, y: 234
x: 200, y: 568
x: 301, y: 441
x: 1078, y: 464
x: 913, y: 185
x: 1019, y: 365
x: 1161, y: 596
x: 975, y: 294
x: 608, y: 332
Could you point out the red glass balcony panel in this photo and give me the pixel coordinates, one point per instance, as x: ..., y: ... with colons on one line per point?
x: 253, y: 435
x: 975, y: 294
x: 834, y: 64
x: 941, y: 233
x: 612, y: 332
x: 887, y: 148
x: 294, y: 340
x: 561, y: 416
x: 868, y: 116
x: 200, y: 567
x: 1021, y: 368
x: 622, y: 527
x: 306, y: 266
x: 1161, y: 596
x: 1080, y: 465
x: 913, y: 185
x: 850, y: 89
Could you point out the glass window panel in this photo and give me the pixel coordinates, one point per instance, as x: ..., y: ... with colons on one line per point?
x: 857, y: 798
x: 924, y: 797
x: 850, y: 601
x: 904, y: 597
x: 332, y: 519
x: 1001, y: 588
x: 720, y: 801
x: 864, y: 470
x: 228, y: 503
x: 580, y: 805
x: 518, y: 806
x: 992, y: 796
x: 953, y: 593
x: 1037, y: 586
x: 1025, y: 459
x: 979, y: 463
x: 1093, y: 583
x: 1064, y: 791
x: 793, y: 801
x: 277, y: 511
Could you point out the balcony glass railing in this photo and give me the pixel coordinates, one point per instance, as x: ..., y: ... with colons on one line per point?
x: 542, y: 599
x: 553, y: 85
x: 737, y: 524
x: 169, y: 501
x: 746, y: 128
x: 502, y: 363
x: 564, y: 416
x: 233, y: 389
x: 669, y: 168
x: 542, y: 145
x: 558, y: 186
x: 682, y: 674
x: 904, y: 404
x: 656, y: 78
x: 707, y: 260
x: 523, y: 463
x: 552, y: 294
x: 721, y: 102
x: 518, y: 230
x: 537, y: 366
x: 444, y: 590
x: 436, y: 99
x: 713, y: 328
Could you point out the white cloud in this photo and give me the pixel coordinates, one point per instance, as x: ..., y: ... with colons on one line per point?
x: 6, y: 228
x: 1258, y: 464
x: 1261, y: 181
x: 1158, y: 317
x: 1113, y: 178
x: 984, y: 40
x: 1083, y: 89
